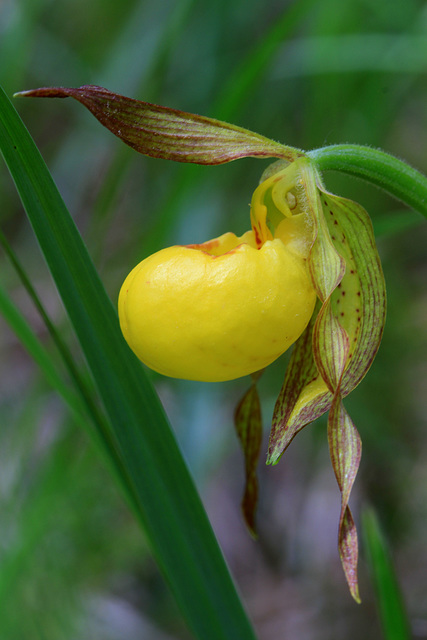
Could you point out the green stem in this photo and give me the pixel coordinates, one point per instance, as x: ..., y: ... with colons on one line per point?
x: 381, y: 169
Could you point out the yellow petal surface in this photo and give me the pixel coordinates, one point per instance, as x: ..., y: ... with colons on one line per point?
x: 218, y: 310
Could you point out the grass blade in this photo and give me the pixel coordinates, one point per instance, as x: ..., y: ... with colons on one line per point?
x: 36, y: 349
x: 168, y: 504
x: 392, y: 612
x: 39, y: 354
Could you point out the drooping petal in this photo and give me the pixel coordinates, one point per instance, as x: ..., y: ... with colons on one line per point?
x: 302, y: 398
x: 248, y: 423
x: 330, y: 347
x: 337, y: 348
x: 358, y: 303
x: 161, y: 132
x: 345, y: 449
x: 305, y: 395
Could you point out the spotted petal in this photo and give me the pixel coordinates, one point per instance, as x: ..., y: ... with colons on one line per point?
x: 358, y: 302
x: 337, y: 348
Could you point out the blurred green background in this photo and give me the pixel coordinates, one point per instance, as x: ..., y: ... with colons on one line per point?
x: 73, y: 564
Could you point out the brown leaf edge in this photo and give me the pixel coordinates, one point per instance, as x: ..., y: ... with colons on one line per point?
x: 171, y: 134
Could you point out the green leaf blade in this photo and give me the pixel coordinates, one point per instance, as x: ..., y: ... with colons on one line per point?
x: 394, y: 618
x: 144, y: 447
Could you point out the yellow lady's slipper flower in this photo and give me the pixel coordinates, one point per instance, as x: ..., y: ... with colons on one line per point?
x: 225, y: 308
x: 231, y: 306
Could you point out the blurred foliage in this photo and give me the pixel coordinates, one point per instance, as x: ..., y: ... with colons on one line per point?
x: 308, y: 74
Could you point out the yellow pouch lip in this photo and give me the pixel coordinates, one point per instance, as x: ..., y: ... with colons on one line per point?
x: 190, y: 314
x: 227, y: 307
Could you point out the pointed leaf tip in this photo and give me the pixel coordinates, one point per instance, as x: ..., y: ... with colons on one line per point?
x: 171, y: 134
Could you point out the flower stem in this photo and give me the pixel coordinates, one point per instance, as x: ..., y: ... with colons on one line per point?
x: 381, y: 169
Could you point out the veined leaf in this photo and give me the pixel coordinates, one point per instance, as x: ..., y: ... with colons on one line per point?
x: 162, y: 132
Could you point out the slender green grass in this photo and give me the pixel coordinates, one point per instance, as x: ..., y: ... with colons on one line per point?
x: 394, y: 619
x: 38, y: 352
x: 156, y: 476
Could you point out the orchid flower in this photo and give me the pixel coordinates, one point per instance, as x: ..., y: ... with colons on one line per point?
x: 307, y: 273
